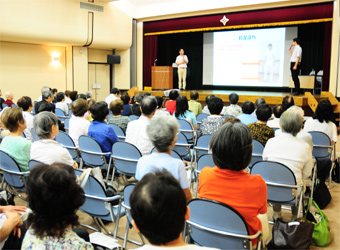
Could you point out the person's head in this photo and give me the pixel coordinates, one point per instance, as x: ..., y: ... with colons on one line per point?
x: 324, y: 111
x: 194, y: 95
x: 278, y: 110
x: 207, y: 98
x: 248, y: 107
x: 54, y: 197
x: 125, y: 98
x: 138, y: 98
x: 173, y: 94
x: 159, y: 208
x: 99, y: 111
x: 263, y: 112
x: 147, y: 94
x: 162, y: 131
x: 291, y: 122
x: 45, y: 89
x: 47, y: 96
x: 13, y: 119
x: 54, y: 92
x: 117, y: 107
x: 298, y: 110
x: 73, y: 95
x: 159, y: 102
x: 44, y: 107
x: 67, y: 93
x: 181, y: 52
x: 270, y: 46
x: 115, y: 91
x: 89, y: 95
x: 9, y: 95
x: 181, y: 105
x: 259, y: 102
x: 296, y: 41
x: 215, y: 105
x: 233, y: 98
x: 232, y: 146
x: 231, y: 119
x: 60, y: 97
x: 79, y: 107
x: 81, y: 96
x: 287, y: 102
x: 90, y: 102
x: 25, y: 103
x: 45, y: 125
x: 148, y: 105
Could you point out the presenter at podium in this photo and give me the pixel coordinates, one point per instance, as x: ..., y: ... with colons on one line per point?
x: 181, y: 62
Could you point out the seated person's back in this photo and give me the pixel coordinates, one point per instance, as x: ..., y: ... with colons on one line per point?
x: 213, y: 122
x: 233, y: 109
x: 117, y: 107
x: 247, y: 108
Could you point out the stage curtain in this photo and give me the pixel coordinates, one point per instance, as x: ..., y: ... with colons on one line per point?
x: 149, y: 56
x: 327, y: 56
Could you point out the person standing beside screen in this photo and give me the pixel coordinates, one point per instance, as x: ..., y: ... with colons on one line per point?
x: 181, y: 62
x: 295, y: 60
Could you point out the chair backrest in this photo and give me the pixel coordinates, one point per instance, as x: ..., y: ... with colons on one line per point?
x: 200, y: 117
x: 208, y: 215
x: 205, y: 160
x: 126, y: 156
x: 4, y: 105
x: 60, y: 114
x: 67, y: 123
x: 257, y: 152
x: 133, y: 117
x: 202, y: 145
x: 66, y: 140
x: 321, y: 144
x: 182, y: 145
x: 13, y: 178
x: 69, y: 113
x: 110, y: 116
x: 33, y: 163
x: 88, y: 148
x: 174, y: 154
x: 119, y: 132
x: 186, y: 128
x: 34, y: 135
x: 275, y: 173
x: 14, y: 106
x: 126, y: 195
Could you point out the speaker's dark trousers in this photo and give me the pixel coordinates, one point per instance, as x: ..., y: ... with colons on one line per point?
x: 295, y: 73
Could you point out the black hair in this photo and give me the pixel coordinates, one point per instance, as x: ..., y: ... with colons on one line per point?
x: 125, y: 98
x: 324, y: 111
x: 25, y: 103
x: 138, y: 98
x: 159, y: 102
x: 44, y: 106
x: 259, y: 102
x: 208, y: 97
x: 181, y: 105
x: 233, y: 98
x: 148, y: 105
x: 158, y: 207
x: 297, y: 40
x: 264, y: 112
x: 99, y: 111
x: 73, y: 95
x: 173, y: 94
x: 147, y: 94
x: 82, y: 96
x: 248, y: 107
x: 60, y: 96
x: 287, y: 102
x: 114, y: 91
x: 278, y: 110
x: 54, y: 91
x: 194, y: 95
x: 215, y: 105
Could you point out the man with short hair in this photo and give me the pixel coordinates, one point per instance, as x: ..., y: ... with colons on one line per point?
x: 113, y: 96
x: 233, y: 109
x: 9, y: 99
x: 47, y: 97
x: 247, y: 108
x: 181, y: 62
x: 259, y: 101
x: 194, y: 106
x: 136, y: 130
x: 277, y: 111
x: 89, y: 95
x: 43, y: 89
x: 295, y: 60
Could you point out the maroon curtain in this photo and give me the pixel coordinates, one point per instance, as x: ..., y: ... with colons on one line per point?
x: 327, y: 56
x: 149, y: 56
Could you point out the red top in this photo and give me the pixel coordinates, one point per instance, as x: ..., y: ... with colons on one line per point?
x: 9, y: 103
x: 246, y: 193
x: 171, y: 106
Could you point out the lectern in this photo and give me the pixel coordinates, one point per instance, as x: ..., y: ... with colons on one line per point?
x: 161, y: 77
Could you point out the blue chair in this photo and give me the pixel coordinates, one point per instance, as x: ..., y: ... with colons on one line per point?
x: 202, y: 146
x: 133, y: 117
x: 34, y: 135
x: 257, y: 152
x: 174, y: 154
x: 110, y: 116
x: 33, y: 163
x: 203, y: 161
x: 69, y: 113
x: 280, y: 182
x: 67, y: 124
x: 187, y: 129
x: 65, y: 140
x: 119, y: 132
x: 182, y: 147
x: 98, y: 205
x: 14, y: 106
x: 200, y: 117
x: 4, y: 105
x: 217, y: 225
x: 13, y: 176
x: 60, y: 114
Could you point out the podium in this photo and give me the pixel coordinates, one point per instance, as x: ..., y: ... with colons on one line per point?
x: 161, y: 77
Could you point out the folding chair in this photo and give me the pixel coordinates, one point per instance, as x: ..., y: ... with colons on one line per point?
x: 257, y: 152
x: 217, y: 225
x: 183, y: 146
x: 202, y: 146
x: 33, y: 163
x: 187, y: 129
x: 200, y: 117
x: 203, y: 161
x: 34, y: 135
x: 119, y: 132
x: 67, y: 124
x: 174, y: 154
x: 13, y: 176
x: 66, y: 140
x: 133, y: 117
x: 60, y: 114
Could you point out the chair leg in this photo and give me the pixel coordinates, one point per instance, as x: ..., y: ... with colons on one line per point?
x: 126, y: 233
x: 330, y: 175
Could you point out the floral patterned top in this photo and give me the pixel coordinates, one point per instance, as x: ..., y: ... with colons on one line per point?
x: 69, y: 241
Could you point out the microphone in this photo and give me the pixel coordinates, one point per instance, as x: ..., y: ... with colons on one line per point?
x: 154, y: 62
x: 291, y: 46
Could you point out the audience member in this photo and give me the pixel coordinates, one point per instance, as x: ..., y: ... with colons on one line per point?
x: 160, y: 193
x: 9, y: 99
x: 47, y: 97
x: 73, y: 95
x: 89, y: 95
x: 229, y: 183
x: 205, y: 110
x: 114, y: 94
x: 54, y: 197
x: 79, y: 125
x: 170, y: 105
x: 323, y: 121
x: 43, y: 90
x: 54, y: 92
x: 135, y: 107
x: 117, y: 107
x: 136, y: 130
x: 126, y: 100
x: 2, y: 100
x: 88, y: 115
x: 259, y: 129
x: 61, y: 104
x: 287, y: 102
x: 99, y: 130
x: 194, y: 106
x: 290, y: 151
x: 46, y: 149
x: 81, y: 96
x: 160, y: 111
x: 275, y: 122
x: 14, y: 144
x: 233, y: 109
x: 182, y: 111
x: 67, y: 96
x: 213, y: 122
x: 258, y: 102
x: 247, y: 108
x: 3, y: 130
x: 25, y: 103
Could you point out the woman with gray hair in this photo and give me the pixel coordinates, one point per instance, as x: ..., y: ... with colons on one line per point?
x: 47, y: 150
x: 163, y: 131
x: 289, y: 150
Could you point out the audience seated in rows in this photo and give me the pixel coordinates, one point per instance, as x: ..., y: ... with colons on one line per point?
x: 14, y: 144
x: 259, y: 130
x: 182, y: 111
x: 126, y: 100
x: 114, y: 94
x: 162, y: 132
x: 159, y: 110
x: 79, y: 125
x: 47, y: 97
x: 170, y: 105
x: 228, y: 183
x: 233, y: 109
x: 25, y: 103
x: 258, y: 102
x: 287, y: 102
x: 277, y: 111
x: 54, y: 197
x: 136, y: 130
x: 9, y: 99
x: 194, y: 106
x: 61, y: 104
x: 247, y: 108
x: 46, y: 149
x: 290, y: 151
x: 135, y: 107
x: 43, y: 90
x: 117, y: 107
x: 67, y: 97
x: 212, y: 123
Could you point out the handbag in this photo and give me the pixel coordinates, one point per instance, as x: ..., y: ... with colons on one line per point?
x: 321, y: 194
x: 336, y: 172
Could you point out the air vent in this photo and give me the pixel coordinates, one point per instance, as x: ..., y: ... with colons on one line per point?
x: 92, y: 7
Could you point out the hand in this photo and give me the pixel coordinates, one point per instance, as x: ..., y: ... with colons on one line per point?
x: 295, y: 67
x: 14, y: 217
x: 75, y: 165
x: 5, y: 209
x: 290, y: 49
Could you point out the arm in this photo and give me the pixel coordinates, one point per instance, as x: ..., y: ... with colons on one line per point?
x: 296, y: 63
x: 13, y: 221
x: 187, y: 194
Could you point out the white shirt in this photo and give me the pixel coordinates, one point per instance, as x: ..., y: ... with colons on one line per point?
x: 29, y: 123
x: 328, y: 128
x: 49, y: 151
x: 110, y: 98
x: 3, y: 218
x: 136, y: 134
x: 297, y: 52
x: 180, y: 59
x: 67, y: 100
x: 302, y: 135
x: 162, y: 113
x: 206, y: 110
x: 274, y: 123
x: 78, y: 126
x: 63, y: 106
x: 292, y: 152
x: 187, y: 247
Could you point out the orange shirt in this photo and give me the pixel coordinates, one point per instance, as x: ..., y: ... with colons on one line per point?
x: 246, y: 193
